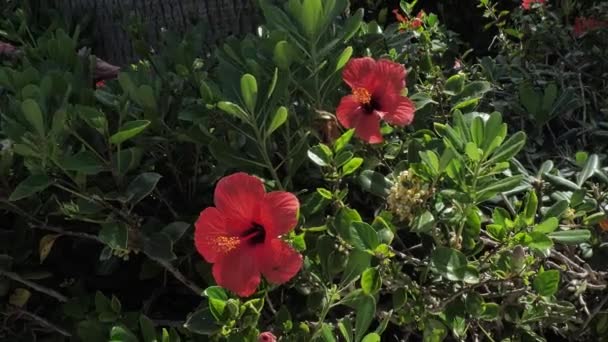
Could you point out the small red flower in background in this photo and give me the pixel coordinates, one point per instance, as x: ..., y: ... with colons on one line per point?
x: 527, y: 4
x: 405, y: 23
x: 100, y: 84
x: 583, y: 25
x: 240, y: 235
x: 376, y: 95
x: 267, y: 337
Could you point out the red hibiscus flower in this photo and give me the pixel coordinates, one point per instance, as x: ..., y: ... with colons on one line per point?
x: 376, y: 95
x: 267, y: 337
x: 100, y: 84
x: 240, y: 235
x: 583, y: 25
x: 527, y: 4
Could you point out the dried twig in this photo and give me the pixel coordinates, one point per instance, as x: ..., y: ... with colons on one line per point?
x: 179, y: 276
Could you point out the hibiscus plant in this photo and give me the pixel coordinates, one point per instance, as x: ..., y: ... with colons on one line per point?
x: 340, y: 174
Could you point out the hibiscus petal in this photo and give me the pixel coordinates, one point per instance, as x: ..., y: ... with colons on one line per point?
x: 392, y: 74
x: 278, y: 261
x: 349, y: 110
x: 367, y: 128
x: 402, y: 113
x: 278, y: 213
x: 359, y: 72
x: 238, y: 271
x: 212, y: 237
x: 238, y: 197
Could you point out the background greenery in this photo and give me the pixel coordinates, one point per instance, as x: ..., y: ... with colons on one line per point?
x: 506, y: 241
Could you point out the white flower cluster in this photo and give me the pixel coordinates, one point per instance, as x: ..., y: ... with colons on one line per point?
x: 407, y: 195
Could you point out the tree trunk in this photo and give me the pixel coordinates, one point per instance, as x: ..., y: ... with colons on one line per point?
x: 110, y: 17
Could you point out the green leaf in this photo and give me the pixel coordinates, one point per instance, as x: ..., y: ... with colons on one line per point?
x: 537, y: 241
x: 326, y: 333
x: 573, y: 237
x: 351, y: 166
x: 530, y: 99
x: 490, y: 312
x: 492, y: 130
x: 325, y: 193
x: 547, y: 283
x: 344, y: 57
x: 371, y: 337
x: 475, y: 89
x: 146, y: 327
x: 320, y: 155
x: 114, y: 235
x: 249, y: 91
x: 547, y: 226
x: 202, y: 322
x: 283, y: 55
x: 343, y: 157
x: 234, y: 110
x: 434, y: 331
x: 128, y: 131
x: 363, y: 236
x: 509, y: 148
x: 142, y: 186
x: 502, y: 185
x: 217, y: 301
x: 557, y: 209
x: 310, y: 16
x: 472, y: 151
x: 375, y: 183
x: 343, y: 140
x: 122, y: 334
x: 278, y: 119
x: 357, y: 262
x: 590, y: 168
x: 561, y: 182
x: 145, y: 97
x: 30, y: 186
x: 431, y: 160
x: 449, y: 262
x: 474, y: 304
x: 175, y: 230
x: 454, y: 85
x: 366, y: 312
x: 371, y: 281
x: 33, y: 115
x: 159, y: 246
x: 531, y: 205
x: 84, y: 161
x: 93, y: 117
x: 352, y: 25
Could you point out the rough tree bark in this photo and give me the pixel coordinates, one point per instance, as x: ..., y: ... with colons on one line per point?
x: 110, y: 17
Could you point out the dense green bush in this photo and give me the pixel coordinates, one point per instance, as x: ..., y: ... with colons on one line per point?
x: 127, y: 216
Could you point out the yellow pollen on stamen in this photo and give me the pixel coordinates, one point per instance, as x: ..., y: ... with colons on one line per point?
x: 362, y: 95
x: 227, y: 243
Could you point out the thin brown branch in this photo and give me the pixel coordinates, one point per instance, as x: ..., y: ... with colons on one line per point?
x: 43, y: 289
x: 42, y: 321
x: 179, y: 276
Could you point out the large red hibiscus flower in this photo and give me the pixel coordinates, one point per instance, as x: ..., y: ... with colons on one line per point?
x: 240, y: 235
x: 376, y: 95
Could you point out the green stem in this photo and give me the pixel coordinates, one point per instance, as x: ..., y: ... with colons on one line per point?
x: 264, y: 152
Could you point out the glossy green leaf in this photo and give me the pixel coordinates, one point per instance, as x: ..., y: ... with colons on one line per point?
x: 128, y: 131
x: 571, y: 237
x: 375, y: 183
x: 449, y: 262
x: 249, y: 91
x: 278, y: 119
x: 371, y: 281
x: 344, y: 58
x: 590, y: 168
x: 234, y: 110
x: 142, y: 186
